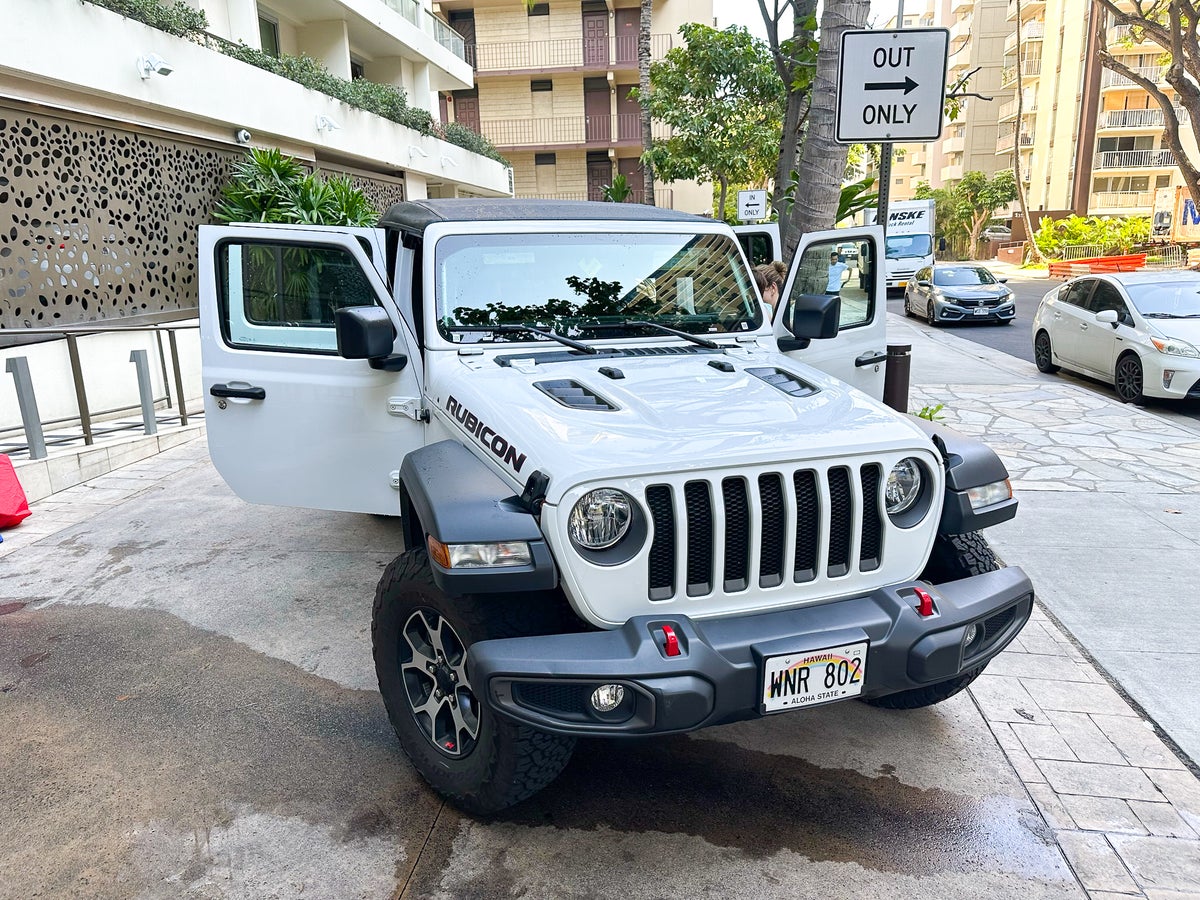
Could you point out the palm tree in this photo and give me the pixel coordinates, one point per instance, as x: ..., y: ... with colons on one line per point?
x: 644, y: 90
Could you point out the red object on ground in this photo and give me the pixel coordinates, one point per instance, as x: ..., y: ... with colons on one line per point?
x: 14, y: 508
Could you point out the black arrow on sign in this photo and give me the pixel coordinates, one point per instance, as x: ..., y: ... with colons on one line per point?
x: 907, y: 85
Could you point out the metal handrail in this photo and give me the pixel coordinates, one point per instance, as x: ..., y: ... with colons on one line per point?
x: 32, y: 423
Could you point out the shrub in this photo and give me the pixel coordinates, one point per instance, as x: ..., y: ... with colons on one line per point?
x: 269, y: 186
x: 173, y: 16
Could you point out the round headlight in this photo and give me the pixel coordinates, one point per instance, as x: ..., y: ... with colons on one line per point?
x: 600, y: 519
x: 903, y: 486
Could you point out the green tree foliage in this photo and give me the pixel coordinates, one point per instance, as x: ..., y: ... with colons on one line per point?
x: 962, y: 210
x: 618, y: 191
x: 173, y: 16
x: 1109, y: 235
x: 269, y: 186
x: 724, y: 102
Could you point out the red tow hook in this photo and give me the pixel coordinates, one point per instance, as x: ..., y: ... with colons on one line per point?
x: 925, y: 604
x: 670, y: 642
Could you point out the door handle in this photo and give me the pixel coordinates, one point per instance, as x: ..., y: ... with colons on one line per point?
x: 246, y: 393
x: 1083, y: 326
x: 1058, y: 315
x: 870, y: 358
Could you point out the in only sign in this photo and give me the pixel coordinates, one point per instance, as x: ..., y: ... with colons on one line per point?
x: 892, y: 85
x: 752, y: 205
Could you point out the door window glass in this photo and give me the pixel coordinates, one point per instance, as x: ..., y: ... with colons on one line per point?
x: 1108, y: 297
x: 283, y: 296
x: 824, y: 269
x: 1076, y: 294
x: 758, y: 246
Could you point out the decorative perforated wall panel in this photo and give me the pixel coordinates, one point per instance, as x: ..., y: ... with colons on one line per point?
x: 97, y: 222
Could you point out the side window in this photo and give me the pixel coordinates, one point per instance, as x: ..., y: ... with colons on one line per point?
x: 825, y: 270
x: 1077, y: 294
x: 757, y: 245
x: 283, y: 296
x: 1108, y: 297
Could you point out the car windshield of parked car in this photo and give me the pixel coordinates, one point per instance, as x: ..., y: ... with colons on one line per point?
x: 962, y: 275
x: 1176, y: 299
x: 901, y: 246
x: 591, y: 285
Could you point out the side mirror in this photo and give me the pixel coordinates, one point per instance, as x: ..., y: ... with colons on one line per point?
x: 1107, y: 317
x: 363, y: 332
x: 816, y: 316
x: 1002, y: 280
x: 922, y: 283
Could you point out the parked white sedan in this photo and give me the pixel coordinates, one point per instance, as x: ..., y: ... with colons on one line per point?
x: 1139, y: 331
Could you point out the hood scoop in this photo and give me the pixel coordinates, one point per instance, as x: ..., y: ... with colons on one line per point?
x: 790, y: 384
x: 573, y: 394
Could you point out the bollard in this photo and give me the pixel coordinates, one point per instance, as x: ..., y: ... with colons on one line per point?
x: 895, y: 376
x: 30, y: 418
x: 145, y: 390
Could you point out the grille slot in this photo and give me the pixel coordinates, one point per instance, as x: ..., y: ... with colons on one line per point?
x: 743, y: 529
x: 870, y: 545
x: 573, y: 394
x: 553, y: 698
x: 994, y: 625
x: 737, y: 534
x: 699, y: 538
x: 662, y: 548
x: 841, y: 509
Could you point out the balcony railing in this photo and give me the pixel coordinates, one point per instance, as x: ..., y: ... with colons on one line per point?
x: 620, y: 129
x: 664, y: 198
x: 1030, y: 31
x: 1118, y: 34
x: 1140, y: 118
x: 1031, y: 67
x: 1006, y: 142
x: 1116, y: 79
x: 431, y: 25
x: 1121, y: 199
x: 1135, y: 159
x: 565, y: 53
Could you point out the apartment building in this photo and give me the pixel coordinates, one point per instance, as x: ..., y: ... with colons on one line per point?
x: 977, y: 34
x: 115, y: 137
x: 552, y: 89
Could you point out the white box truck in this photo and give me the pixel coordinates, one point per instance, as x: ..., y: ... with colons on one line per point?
x: 909, y: 244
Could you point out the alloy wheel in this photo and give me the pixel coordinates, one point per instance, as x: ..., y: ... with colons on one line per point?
x: 433, y: 669
x: 1128, y: 379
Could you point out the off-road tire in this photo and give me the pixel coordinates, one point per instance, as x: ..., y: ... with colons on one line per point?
x: 954, y: 556
x: 1043, y: 355
x: 507, y: 762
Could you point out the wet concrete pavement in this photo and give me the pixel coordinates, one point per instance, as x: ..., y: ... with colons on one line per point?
x: 187, y: 708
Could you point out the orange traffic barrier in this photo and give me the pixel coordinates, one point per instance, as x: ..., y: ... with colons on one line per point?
x: 1095, y: 264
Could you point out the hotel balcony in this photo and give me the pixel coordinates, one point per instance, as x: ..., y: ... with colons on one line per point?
x: 1029, y: 9
x: 1121, y: 35
x: 952, y: 172
x: 664, y: 198
x: 1009, y: 110
x: 1134, y: 159
x: 953, y: 144
x: 1112, y: 79
x: 1030, y: 31
x: 1146, y: 119
x: 1030, y: 69
x: 958, y: 7
x: 960, y: 31
x: 563, y: 132
x: 564, y: 54
x: 1124, y: 202
x: 1006, y: 142
x: 430, y: 24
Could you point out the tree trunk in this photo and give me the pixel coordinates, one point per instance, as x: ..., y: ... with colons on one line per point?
x: 724, y: 195
x: 644, y: 89
x: 1022, y: 199
x: 823, y: 160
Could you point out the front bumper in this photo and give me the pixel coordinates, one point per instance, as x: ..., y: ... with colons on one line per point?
x: 948, y: 311
x: 1170, y: 377
x: 546, y: 681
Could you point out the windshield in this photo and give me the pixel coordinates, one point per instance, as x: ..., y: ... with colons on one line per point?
x: 1177, y: 298
x: 900, y: 246
x: 965, y: 275
x: 591, y: 285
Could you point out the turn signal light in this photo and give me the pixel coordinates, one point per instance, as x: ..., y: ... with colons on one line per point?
x: 924, y: 602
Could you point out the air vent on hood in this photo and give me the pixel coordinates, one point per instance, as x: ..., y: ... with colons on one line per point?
x: 572, y: 394
x: 785, y: 381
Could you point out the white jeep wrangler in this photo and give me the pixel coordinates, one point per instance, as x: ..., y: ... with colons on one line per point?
x: 629, y: 505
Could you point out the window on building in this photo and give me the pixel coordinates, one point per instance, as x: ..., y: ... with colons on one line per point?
x: 541, y: 84
x: 544, y: 159
x: 539, y: 9
x: 268, y: 35
x: 356, y: 69
x: 899, y: 179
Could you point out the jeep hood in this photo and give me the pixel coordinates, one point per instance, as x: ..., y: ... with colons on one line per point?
x: 673, y: 413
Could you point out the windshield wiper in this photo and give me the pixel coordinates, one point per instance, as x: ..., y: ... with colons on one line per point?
x: 528, y: 329
x: 1171, y: 315
x: 695, y: 339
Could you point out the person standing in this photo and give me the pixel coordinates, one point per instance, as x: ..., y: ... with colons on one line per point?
x: 837, y: 270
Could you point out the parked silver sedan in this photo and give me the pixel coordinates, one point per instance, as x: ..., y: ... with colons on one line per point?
x: 955, y: 292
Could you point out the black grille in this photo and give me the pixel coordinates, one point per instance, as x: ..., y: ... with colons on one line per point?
x: 573, y: 394
x: 841, y: 509
x: 808, y: 526
x: 770, y: 499
x: 871, y: 542
x: 993, y: 626
x: 700, y: 537
x: 737, y: 534
x: 553, y: 698
x: 787, y: 382
x: 662, y: 548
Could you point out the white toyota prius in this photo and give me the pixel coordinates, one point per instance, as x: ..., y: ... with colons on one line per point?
x: 1139, y: 331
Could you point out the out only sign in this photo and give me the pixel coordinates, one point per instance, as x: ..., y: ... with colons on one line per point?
x: 892, y: 85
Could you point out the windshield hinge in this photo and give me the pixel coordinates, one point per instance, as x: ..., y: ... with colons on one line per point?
x: 408, y: 406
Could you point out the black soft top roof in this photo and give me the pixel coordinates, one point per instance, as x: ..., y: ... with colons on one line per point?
x: 417, y: 215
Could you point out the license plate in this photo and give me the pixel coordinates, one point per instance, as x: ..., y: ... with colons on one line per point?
x: 797, y: 680
x: 981, y: 312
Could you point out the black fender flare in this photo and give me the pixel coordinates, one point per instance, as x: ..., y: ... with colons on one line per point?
x: 968, y: 463
x: 449, y: 494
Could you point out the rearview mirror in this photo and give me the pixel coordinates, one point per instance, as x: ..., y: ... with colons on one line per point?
x: 363, y: 332
x: 1107, y: 317
x: 815, y: 316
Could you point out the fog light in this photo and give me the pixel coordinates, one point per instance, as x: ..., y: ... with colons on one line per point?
x: 607, y: 697
x: 972, y: 633
x: 1168, y: 374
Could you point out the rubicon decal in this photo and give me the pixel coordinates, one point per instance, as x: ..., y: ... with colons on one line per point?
x: 497, y: 443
